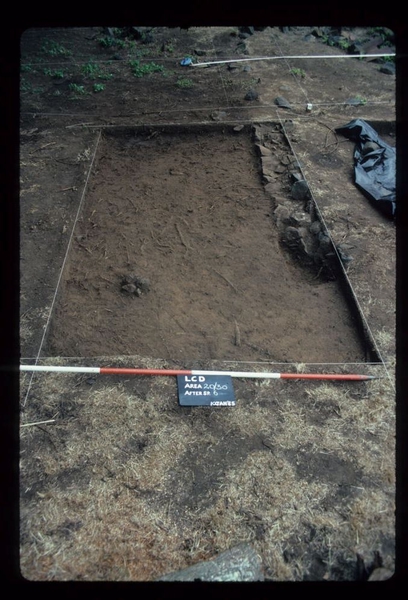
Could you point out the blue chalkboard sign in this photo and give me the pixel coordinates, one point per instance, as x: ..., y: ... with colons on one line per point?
x: 205, y: 390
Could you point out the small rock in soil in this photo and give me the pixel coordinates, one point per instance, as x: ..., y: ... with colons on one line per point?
x: 247, y: 68
x: 282, y: 215
x: 291, y: 234
x: 232, y: 67
x: 130, y: 288
x: 354, y: 102
x: 388, y: 69
x: 251, y: 95
x: 380, y: 574
x: 344, y: 255
x: 300, y: 190
x: 309, y: 38
x: 282, y: 102
x: 242, y: 49
x: 315, y: 227
x: 239, y: 128
x: 218, y: 116
x: 264, y: 151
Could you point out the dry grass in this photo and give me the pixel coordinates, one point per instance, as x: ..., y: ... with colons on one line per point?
x: 107, y: 488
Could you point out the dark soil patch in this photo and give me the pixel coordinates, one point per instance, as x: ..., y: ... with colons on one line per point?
x: 186, y: 210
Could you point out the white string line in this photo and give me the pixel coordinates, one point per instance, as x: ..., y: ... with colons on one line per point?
x: 340, y: 262
x: 112, y: 61
x: 254, y: 362
x: 301, y: 56
x: 289, y: 68
x: 198, y: 109
x: 63, y: 265
x: 221, y: 77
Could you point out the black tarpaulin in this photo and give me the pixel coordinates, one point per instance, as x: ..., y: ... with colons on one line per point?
x: 374, y: 165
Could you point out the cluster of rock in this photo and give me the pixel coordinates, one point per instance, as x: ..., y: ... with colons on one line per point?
x: 301, y: 230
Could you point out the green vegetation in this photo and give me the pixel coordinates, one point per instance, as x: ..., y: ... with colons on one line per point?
x: 55, y: 49
x: 344, y: 44
x: 95, y: 71
x: 98, y: 87
x: 139, y: 70
x: 108, y: 41
x: 27, y: 69
x: 27, y: 87
x: 387, y: 35
x: 56, y: 73
x: 78, y: 90
x: 184, y: 83
x: 361, y: 99
x: 298, y: 72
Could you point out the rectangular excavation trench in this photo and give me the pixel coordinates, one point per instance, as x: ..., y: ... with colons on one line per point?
x: 186, y: 209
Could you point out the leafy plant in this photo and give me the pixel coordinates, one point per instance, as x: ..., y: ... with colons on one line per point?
x: 111, y: 42
x: 55, y: 49
x: 298, y: 72
x: 184, y: 83
x: 79, y: 90
x: 27, y: 87
x: 139, y: 70
x: 344, y: 44
x: 361, y: 99
x: 98, y: 87
x: 56, y: 73
x: 95, y: 71
x: 27, y: 69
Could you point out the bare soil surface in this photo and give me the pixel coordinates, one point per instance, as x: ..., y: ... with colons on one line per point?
x: 159, y: 228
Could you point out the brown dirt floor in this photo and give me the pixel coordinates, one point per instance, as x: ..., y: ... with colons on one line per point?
x: 176, y: 178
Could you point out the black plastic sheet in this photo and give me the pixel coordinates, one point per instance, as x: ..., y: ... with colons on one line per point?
x: 375, y: 163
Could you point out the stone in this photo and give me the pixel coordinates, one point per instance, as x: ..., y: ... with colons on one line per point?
x: 238, y: 128
x: 292, y: 234
x: 300, y: 190
x: 240, y: 563
x: 241, y: 48
x: 280, y: 169
x: 344, y: 255
x: 232, y: 67
x: 325, y: 244
x: 142, y: 284
x: 354, y: 101
x: 130, y: 288
x: 282, y: 102
x: 388, y: 69
x: 380, y: 574
x: 246, y: 69
x: 309, y: 38
x: 251, y: 95
x: 268, y: 164
x: 282, y: 215
x: 298, y: 219
x: 315, y: 227
x: 218, y: 116
x: 264, y: 151
x: 270, y: 188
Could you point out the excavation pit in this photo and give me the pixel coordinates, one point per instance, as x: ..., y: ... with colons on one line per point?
x: 185, y: 210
